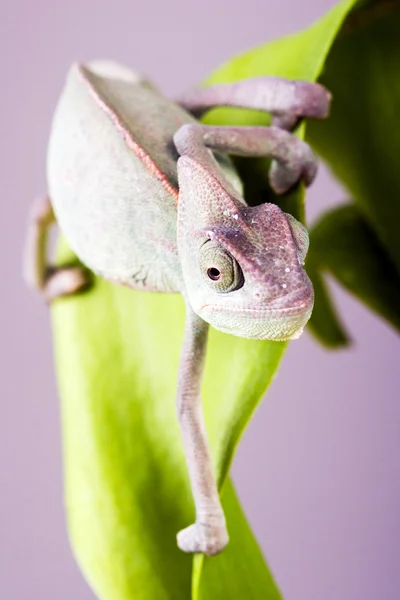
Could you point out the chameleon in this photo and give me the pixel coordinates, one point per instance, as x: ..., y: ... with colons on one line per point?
x: 148, y: 197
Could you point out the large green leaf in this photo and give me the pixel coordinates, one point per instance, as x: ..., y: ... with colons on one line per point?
x: 117, y: 351
x: 126, y: 485
x: 348, y: 248
x: 361, y: 142
x: 325, y: 323
x: 361, y: 139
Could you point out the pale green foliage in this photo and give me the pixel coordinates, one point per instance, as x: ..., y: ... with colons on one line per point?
x: 127, y: 490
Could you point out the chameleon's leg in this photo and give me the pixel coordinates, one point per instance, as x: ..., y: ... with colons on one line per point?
x: 50, y: 281
x: 208, y: 534
x: 293, y: 159
x: 287, y: 101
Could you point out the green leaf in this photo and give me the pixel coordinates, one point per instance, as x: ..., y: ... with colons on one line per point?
x: 117, y: 350
x: 361, y: 139
x: 325, y: 323
x: 126, y: 488
x: 127, y: 491
x: 349, y: 249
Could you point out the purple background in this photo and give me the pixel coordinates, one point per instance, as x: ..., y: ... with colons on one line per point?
x: 318, y: 469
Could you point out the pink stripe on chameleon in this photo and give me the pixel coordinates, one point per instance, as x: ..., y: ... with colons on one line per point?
x: 130, y: 142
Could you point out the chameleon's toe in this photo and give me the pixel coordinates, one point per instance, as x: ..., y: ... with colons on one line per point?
x: 313, y: 100
x: 65, y: 281
x: 310, y: 100
x: 285, y: 120
x: 301, y: 163
x: 198, y: 537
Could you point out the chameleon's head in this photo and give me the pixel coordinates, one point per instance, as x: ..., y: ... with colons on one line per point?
x: 242, y: 266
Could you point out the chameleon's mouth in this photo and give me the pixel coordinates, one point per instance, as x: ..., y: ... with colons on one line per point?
x: 273, y: 320
x: 289, y: 311
x: 289, y: 305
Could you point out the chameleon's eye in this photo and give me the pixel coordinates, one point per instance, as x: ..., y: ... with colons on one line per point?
x: 220, y: 270
x: 213, y: 273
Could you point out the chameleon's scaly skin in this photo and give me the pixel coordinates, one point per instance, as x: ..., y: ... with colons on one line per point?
x: 147, y: 198
x: 112, y: 176
x: 118, y: 217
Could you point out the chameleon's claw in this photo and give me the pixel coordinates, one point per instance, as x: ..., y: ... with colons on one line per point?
x: 310, y: 100
x: 286, y: 121
x: 199, y: 537
x: 65, y: 281
x: 301, y: 163
x: 313, y: 100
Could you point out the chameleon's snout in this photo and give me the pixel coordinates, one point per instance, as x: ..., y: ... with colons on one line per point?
x: 282, y: 318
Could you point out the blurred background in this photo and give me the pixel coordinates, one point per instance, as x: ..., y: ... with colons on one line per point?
x: 318, y: 470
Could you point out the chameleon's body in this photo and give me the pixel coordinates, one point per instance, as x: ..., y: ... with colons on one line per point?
x: 131, y: 185
x: 147, y: 197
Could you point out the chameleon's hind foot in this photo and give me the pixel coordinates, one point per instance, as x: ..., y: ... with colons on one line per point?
x: 65, y: 281
x: 209, y: 539
x: 50, y: 281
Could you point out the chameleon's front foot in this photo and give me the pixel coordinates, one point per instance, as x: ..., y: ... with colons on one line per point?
x: 294, y: 161
x: 209, y: 537
x: 296, y: 100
